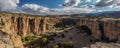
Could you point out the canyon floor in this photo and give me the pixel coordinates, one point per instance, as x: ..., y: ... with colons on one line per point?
x: 70, y: 38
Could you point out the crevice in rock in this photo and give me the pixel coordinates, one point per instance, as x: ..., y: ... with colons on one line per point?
x: 19, y: 24
x: 103, y: 36
x: 40, y: 25
x: 32, y: 25
x: 101, y: 28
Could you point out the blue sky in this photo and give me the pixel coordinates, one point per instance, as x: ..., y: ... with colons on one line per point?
x: 59, y: 7
x: 46, y: 3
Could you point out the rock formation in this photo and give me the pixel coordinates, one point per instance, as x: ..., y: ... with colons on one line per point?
x: 10, y: 41
x: 25, y: 24
x: 93, y: 26
x: 111, y: 30
x: 104, y: 45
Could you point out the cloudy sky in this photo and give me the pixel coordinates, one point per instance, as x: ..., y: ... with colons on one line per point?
x: 58, y: 7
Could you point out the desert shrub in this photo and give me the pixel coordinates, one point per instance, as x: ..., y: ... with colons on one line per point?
x: 0, y: 26
x: 68, y: 44
x: 28, y: 38
x: 56, y: 46
x: 44, y: 40
x: 65, y: 23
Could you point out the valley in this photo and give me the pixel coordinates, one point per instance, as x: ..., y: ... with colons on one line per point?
x: 61, y: 32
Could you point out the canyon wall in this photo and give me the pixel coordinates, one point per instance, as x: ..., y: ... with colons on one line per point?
x: 93, y: 26
x: 106, y: 30
x: 25, y: 24
x: 111, y: 30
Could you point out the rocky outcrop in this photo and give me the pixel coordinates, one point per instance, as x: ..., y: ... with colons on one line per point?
x: 10, y: 41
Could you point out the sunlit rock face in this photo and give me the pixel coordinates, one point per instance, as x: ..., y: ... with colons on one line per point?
x: 10, y: 41
x: 25, y: 24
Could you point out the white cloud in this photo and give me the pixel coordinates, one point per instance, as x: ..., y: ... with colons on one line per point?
x: 71, y: 3
x: 11, y: 5
x: 97, y: 1
x: 87, y: 0
x: 69, y: 10
x: 70, y: 7
x: 8, y: 5
x: 41, y: 10
x: 34, y: 9
x: 108, y: 3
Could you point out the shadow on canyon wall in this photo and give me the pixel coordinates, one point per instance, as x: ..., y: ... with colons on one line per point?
x: 75, y: 37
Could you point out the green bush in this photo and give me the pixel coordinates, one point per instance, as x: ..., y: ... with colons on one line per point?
x: 68, y: 44
x: 44, y: 40
x: 28, y: 38
x: 56, y: 46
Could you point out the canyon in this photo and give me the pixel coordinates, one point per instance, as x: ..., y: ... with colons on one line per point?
x: 100, y: 29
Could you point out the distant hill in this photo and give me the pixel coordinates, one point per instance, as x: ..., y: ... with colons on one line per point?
x: 115, y: 14
x: 108, y: 13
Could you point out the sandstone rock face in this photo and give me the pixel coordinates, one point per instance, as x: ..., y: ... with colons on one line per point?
x: 107, y: 30
x: 93, y: 26
x: 25, y: 24
x: 111, y: 30
x: 10, y: 41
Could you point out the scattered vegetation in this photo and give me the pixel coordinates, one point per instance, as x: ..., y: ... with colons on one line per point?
x: 28, y: 38
x: 56, y: 46
x: 65, y: 23
x: 68, y: 44
x: 44, y: 40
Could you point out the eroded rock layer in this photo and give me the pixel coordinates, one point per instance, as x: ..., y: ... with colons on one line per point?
x: 25, y: 24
